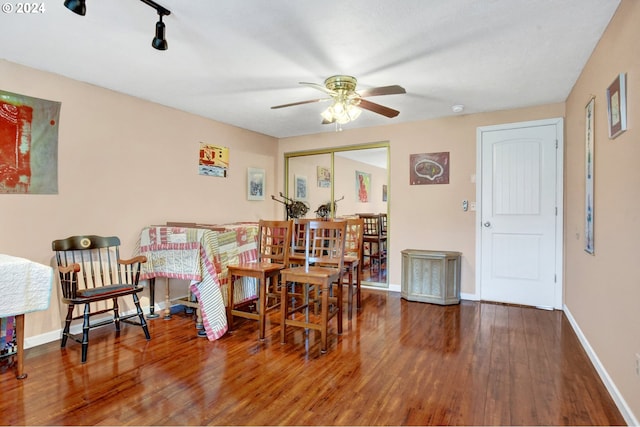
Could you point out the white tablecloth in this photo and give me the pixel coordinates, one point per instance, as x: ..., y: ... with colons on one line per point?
x: 25, y: 286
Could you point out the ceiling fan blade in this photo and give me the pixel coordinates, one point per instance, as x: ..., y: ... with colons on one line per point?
x: 384, y: 90
x: 300, y: 103
x: 328, y: 122
x: 319, y: 87
x: 377, y: 108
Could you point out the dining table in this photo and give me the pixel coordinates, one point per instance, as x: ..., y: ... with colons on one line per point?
x: 25, y: 287
x: 199, y: 254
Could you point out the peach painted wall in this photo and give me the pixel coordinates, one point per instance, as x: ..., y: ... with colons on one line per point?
x: 602, y: 291
x: 345, y: 186
x: 123, y: 164
x: 427, y: 216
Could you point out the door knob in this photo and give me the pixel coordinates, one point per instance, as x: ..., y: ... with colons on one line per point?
x: 487, y: 224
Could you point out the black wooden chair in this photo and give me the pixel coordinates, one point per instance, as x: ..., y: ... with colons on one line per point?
x: 91, y: 270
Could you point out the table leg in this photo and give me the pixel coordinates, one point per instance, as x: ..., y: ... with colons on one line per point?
x: 152, y: 297
x: 167, y: 302
x: 19, y: 331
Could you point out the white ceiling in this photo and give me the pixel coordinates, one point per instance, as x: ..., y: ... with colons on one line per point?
x: 372, y: 156
x: 232, y: 60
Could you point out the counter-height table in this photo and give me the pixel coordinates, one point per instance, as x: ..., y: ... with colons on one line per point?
x: 25, y: 286
x: 199, y: 253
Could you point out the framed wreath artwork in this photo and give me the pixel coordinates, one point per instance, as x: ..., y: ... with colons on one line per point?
x: 429, y: 168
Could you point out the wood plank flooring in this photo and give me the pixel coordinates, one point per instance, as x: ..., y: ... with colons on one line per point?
x: 397, y: 363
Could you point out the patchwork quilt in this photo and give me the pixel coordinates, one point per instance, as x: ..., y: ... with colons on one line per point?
x: 202, y: 255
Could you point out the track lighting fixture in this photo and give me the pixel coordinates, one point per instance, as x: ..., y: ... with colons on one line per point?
x: 76, y: 6
x: 159, y: 42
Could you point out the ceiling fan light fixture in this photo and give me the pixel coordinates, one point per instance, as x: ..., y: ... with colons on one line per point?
x: 341, y: 113
x: 76, y: 6
x: 346, y: 103
x: 343, y: 110
x: 353, y: 112
x: 327, y: 114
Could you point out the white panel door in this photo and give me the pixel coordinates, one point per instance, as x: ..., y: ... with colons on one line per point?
x: 518, y: 215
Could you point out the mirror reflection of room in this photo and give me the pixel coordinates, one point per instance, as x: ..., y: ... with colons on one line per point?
x: 339, y: 184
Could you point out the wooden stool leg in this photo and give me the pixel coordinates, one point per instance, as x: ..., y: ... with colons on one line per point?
x: 358, y: 283
x: 339, y: 307
x: 284, y: 307
x: 262, y: 306
x: 324, y: 316
x: 350, y: 295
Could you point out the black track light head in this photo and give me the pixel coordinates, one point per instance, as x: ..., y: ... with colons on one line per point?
x: 76, y: 6
x: 159, y: 42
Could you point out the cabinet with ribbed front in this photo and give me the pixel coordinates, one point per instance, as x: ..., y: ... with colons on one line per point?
x: 431, y: 276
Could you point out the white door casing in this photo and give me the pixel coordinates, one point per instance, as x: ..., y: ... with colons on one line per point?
x: 519, y: 213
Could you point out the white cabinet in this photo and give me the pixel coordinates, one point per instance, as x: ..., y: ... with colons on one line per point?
x: 431, y: 276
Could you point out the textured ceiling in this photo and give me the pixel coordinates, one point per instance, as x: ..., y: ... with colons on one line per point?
x: 232, y: 60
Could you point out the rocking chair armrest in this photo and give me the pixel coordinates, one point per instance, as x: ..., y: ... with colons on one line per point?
x: 69, y: 280
x: 71, y: 268
x: 138, y: 259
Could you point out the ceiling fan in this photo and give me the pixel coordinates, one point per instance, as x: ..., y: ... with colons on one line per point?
x: 346, y: 101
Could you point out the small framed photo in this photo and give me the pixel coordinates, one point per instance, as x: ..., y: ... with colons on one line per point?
x: 255, y: 184
x: 617, y: 106
x: 300, y: 190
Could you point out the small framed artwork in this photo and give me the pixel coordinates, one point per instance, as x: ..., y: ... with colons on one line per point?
x: 214, y: 160
x: 589, y: 158
x: 384, y: 192
x: 324, y: 177
x: 363, y: 186
x: 617, y: 106
x: 255, y: 184
x: 429, y: 168
x: 300, y: 187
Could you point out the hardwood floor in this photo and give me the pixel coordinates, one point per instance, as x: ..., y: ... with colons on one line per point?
x: 397, y: 363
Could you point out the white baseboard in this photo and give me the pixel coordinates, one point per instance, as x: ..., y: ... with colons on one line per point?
x: 396, y: 288
x: 622, y: 405
x: 469, y: 297
x: 42, y: 338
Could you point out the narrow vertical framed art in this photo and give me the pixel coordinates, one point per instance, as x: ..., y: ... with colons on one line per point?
x: 300, y: 187
x: 589, y: 169
x: 255, y: 184
x: 617, y: 106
